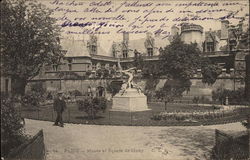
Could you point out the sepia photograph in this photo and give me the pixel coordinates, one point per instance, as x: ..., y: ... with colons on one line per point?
x: 125, y: 80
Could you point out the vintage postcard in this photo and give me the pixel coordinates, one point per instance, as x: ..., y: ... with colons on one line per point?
x: 125, y: 80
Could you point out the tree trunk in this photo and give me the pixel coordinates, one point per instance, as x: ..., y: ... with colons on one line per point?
x: 18, y: 86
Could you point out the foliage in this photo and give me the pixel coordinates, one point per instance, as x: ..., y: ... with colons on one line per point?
x: 102, y: 73
x: 38, y: 87
x: 200, y: 99
x: 29, y: 40
x: 138, y: 61
x: 75, y: 93
x: 49, y: 96
x: 179, y: 60
x: 114, y: 87
x: 151, y: 84
x: 173, y: 89
x: 39, y: 90
x: 234, y: 97
x: 12, y: 134
x: 151, y: 70
x: 246, y: 123
x: 92, y: 106
x: 88, y: 73
x: 193, y: 116
x: 31, y: 99
x: 210, y: 72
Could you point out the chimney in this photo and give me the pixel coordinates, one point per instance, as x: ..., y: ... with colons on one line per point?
x: 240, y: 26
x: 174, y: 30
x: 125, y: 37
x: 224, y: 29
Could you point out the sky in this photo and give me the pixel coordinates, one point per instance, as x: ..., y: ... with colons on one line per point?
x: 140, y: 16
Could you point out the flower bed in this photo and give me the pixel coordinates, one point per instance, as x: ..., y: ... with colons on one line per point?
x: 193, y: 116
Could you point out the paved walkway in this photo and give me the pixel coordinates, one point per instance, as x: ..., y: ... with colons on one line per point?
x: 93, y: 142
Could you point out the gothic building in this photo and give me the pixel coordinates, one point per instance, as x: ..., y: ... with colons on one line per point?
x: 226, y: 47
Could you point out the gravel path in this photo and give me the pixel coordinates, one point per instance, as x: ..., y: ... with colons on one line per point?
x: 93, y: 142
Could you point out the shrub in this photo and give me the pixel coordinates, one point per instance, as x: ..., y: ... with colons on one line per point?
x: 114, y: 87
x: 234, y: 97
x: 31, y: 99
x: 88, y: 73
x: 76, y: 93
x: 11, y: 128
x: 246, y: 123
x: 92, y: 106
x: 196, y: 99
x: 49, y: 96
x: 38, y: 87
x: 103, y: 73
x: 200, y: 99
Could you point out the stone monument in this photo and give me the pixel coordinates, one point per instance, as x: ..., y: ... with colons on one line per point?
x: 130, y: 98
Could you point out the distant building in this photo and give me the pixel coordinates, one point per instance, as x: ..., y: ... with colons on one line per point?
x: 226, y: 47
x: 225, y: 39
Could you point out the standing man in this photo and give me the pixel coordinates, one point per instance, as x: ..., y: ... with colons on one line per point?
x: 59, y: 106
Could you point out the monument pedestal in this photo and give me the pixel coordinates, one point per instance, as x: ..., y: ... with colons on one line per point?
x: 130, y: 101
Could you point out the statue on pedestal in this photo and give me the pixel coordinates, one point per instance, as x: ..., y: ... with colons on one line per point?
x: 130, y: 72
x: 130, y: 97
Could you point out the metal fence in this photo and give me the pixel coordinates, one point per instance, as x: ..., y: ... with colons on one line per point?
x: 144, y: 118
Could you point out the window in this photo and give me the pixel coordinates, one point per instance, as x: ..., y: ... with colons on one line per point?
x: 150, y: 51
x: 93, y: 49
x: 70, y: 67
x: 55, y: 67
x: 232, y: 45
x: 6, y: 85
x: 94, y: 67
x: 70, y: 60
x: 210, y: 47
x: 125, y: 53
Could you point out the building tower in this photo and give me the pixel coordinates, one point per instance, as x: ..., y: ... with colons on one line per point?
x: 92, y: 44
x: 125, y: 42
x: 192, y: 33
x: 150, y: 44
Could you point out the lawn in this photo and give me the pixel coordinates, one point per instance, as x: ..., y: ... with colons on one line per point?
x: 73, y: 115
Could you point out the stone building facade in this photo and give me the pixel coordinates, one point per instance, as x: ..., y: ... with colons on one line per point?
x: 223, y: 46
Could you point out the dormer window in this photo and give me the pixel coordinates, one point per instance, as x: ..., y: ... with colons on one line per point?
x: 232, y: 45
x: 125, y: 53
x: 55, y: 67
x: 70, y: 60
x: 94, y: 67
x: 93, y: 49
x: 150, y: 51
x: 70, y: 63
x: 210, y: 47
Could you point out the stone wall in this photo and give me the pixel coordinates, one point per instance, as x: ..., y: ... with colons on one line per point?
x: 197, y: 89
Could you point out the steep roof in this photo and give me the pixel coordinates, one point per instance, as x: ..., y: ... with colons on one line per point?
x: 74, y: 48
x: 211, y: 36
x: 139, y: 44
